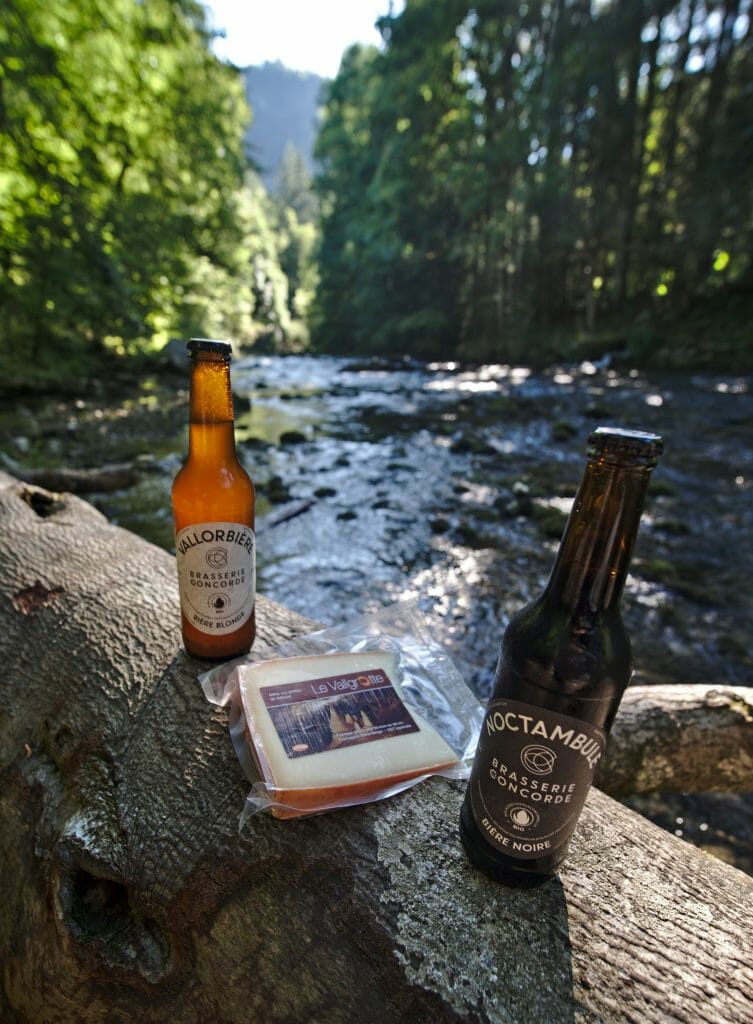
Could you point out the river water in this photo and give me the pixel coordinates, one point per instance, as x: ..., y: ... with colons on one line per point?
x: 377, y: 481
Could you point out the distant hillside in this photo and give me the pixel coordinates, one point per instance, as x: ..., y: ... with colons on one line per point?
x: 284, y: 105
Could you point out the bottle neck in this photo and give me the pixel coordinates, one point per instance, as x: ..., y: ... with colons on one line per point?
x: 210, y: 434
x: 592, y: 564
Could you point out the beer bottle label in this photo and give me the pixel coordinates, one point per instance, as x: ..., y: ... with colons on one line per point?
x: 216, y: 575
x: 531, y: 776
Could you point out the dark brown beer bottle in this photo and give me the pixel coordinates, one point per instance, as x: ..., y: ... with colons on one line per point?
x: 563, y: 667
x: 213, y: 507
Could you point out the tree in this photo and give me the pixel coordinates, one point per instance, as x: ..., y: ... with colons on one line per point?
x: 121, y: 142
x: 502, y: 176
x: 294, y: 186
x: 388, y: 194
x: 344, y: 145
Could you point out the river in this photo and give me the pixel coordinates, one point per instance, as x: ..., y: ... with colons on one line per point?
x: 381, y: 480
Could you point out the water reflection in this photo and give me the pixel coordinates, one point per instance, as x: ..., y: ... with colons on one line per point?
x: 454, y: 483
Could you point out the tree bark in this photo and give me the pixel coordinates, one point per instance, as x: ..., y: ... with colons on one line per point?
x: 130, y: 897
x: 681, y: 739
x: 112, y: 477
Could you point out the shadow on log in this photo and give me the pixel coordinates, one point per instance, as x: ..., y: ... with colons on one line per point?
x: 129, y: 896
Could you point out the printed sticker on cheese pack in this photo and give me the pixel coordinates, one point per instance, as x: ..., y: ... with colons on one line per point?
x: 336, y: 712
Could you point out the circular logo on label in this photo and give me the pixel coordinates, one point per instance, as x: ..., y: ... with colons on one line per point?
x: 538, y: 760
x: 522, y: 817
x: 217, y: 557
x: 218, y: 603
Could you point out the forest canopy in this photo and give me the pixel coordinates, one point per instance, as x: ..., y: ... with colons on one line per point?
x: 513, y: 179
x: 509, y: 181
x: 129, y: 211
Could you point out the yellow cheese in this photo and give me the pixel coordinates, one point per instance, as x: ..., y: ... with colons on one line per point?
x: 333, y: 730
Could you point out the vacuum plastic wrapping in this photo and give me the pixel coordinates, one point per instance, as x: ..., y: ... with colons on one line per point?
x: 426, y: 700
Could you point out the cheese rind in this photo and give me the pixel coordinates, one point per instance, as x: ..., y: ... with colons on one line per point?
x: 333, y: 730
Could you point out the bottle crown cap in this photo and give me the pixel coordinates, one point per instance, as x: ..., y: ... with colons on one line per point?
x: 630, y: 446
x: 223, y: 348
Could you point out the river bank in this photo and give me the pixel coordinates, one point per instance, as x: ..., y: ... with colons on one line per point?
x: 452, y: 484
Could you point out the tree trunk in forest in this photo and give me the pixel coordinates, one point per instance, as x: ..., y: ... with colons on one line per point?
x: 635, y: 118
x: 705, y: 210
x: 130, y: 897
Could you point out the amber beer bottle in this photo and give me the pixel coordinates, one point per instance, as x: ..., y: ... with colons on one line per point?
x: 564, y: 664
x: 213, y: 507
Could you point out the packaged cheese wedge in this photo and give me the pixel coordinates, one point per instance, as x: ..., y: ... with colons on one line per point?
x: 347, y: 714
x: 333, y: 730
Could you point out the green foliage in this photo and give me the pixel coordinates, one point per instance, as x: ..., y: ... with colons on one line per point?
x: 125, y: 212
x: 294, y: 186
x: 388, y: 259
x: 498, y: 182
x: 519, y: 181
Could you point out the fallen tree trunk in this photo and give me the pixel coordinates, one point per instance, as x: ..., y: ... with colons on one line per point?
x: 129, y: 895
x: 681, y: 739
x: 111, y: 477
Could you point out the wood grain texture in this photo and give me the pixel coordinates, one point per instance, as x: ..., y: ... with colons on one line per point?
x: 130, y: 897
x: 681, y: 738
